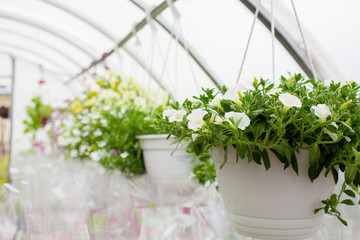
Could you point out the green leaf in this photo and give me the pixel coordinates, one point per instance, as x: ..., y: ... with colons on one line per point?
x: 351, y: 130
x: 333, y: 199
x: 280, y: 149
x: 282, y: 158
x: 349, y: 192
x: 314, y: 171
x: 257, y: 157
x: 335, y: 174
x: 356, y: 153
x: 350, y: 173
x: 347, y: 202
x: 249, y: 154
x: 241, y: 149
x: 294, y: 163
x: 314, y: 154
x: 317, y: 210
x: 225, y: 157
x: 347, y: 138
x: 266, y: 159
x: 342, y: 220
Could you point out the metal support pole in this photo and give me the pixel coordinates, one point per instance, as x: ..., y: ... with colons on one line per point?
x: 11, y: 115
x: 159, y: 9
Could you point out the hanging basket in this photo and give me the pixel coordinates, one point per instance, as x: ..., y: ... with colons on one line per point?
x: 273, y: 204
x: 162, y: 163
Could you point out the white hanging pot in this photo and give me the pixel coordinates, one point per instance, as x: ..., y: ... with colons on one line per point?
x: 273, y: 204
x: 162, y: 164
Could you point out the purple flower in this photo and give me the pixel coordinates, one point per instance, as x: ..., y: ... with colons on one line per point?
x: 115, y: 152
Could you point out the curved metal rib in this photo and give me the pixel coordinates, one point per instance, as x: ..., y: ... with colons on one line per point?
x: 70, y: 59
x: 108, y: 35
x: 56, y: 32
x: 159, y: 9
x: 37, y: 64
x: 35, y: 54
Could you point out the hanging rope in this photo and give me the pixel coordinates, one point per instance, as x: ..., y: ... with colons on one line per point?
x: 186, y: 47
x: 273, y: 39
x: 165, y: 60
x: 248, y: 42
x: 303, y: 39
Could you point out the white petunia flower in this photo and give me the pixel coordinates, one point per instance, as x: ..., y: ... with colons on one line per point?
x: 195, y: 136
x: 102, y: 144
x: 104, y: 122
x: 333, y: 136
x: 174, y: 115
x: 218, y: 120
x: 322, y: 111
x: 196, y: 119
x: 289, y: 101
x: 334, y: 124
x: 274, y: 91
x: 107, y: 94
x: 234, y: 94
x: 95, y: 156
x: 97, y: 133
x: 82, y: 149
x: 140, y: 103
x: 216, y: 103
x: 236, y: 116
x: 76, y: 132
x: 124, y: 154
x: 73, y: 153
x: 167, y: 112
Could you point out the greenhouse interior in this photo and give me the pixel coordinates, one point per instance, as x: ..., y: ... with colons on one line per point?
x: 179, y: 119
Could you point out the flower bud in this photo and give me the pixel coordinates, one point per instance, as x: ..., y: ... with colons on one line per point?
x: 241, y: 96
x: 345, y: 104
x: 348, y: 122
x: 212, y: 119
x: 256, y: 83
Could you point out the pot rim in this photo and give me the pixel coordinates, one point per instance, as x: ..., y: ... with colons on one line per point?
x: 153, y: 136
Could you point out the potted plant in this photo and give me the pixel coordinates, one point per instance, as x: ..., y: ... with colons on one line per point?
x: 277, y: 151
x: 111, y: 124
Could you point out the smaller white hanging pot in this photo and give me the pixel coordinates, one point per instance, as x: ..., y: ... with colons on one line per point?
x: 162, y: 163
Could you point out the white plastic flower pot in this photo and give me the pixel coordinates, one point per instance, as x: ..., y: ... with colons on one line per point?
x: 162, y: 164
x: 273, y: 204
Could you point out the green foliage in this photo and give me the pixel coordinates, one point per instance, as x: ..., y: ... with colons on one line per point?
x: 38, y: 115
x: 298, y: 114
x: 4, y: 161
x: 106, y: 122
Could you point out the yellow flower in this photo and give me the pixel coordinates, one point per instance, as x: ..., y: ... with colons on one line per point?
x: 111, y: 74
x: 131, y: 80
x: 99, y: 82
x: 114, y: 87
x: 76, y: 107
x: 89, y: 102
x: 93, y: 93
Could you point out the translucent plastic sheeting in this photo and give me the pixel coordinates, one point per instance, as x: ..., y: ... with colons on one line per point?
x: 53, y: 198
x: 331, y: 32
